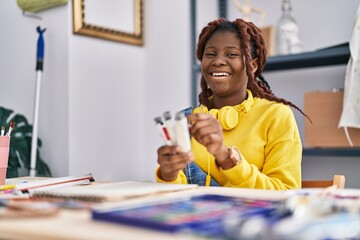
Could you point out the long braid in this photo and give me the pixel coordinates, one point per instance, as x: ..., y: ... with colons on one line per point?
x: 249, y: 33
x: 252, y: 46
x: 263, y: 81
x: 205, y: 93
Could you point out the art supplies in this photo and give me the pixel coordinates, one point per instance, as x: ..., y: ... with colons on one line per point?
x: 104, y: 192
x: 174, y: 132
x: 52, y: 183
x: 14, y: 208
x: 4, y: 155
x: 202, y: 215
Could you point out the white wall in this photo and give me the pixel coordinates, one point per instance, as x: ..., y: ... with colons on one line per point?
x: 99, y: 97
x: 105, y: 107
x: 17, y: 76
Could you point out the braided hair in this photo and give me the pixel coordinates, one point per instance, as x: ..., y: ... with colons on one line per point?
x: 252, y: 46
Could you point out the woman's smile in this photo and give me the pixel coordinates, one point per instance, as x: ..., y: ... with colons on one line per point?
x: 220, y: 74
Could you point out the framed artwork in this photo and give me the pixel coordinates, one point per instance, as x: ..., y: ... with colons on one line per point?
x: 120, y: 21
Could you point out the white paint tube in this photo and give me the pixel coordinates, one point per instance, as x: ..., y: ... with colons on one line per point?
x: 182, y: 132
x: 164, y: 134
x: 170, y: 126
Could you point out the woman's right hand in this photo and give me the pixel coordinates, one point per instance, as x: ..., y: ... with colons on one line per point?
x: 171, y: 160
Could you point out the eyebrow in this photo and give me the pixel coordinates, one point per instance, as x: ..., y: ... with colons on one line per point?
x: 227, y: 47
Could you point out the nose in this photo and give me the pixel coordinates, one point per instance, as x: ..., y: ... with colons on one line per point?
x: 219, y: 61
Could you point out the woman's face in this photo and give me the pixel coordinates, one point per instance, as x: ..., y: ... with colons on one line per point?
x: 223, y: 67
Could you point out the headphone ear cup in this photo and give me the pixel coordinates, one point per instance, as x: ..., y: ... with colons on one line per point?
x: 228, y: 117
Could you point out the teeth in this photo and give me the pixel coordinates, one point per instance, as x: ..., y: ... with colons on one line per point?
x: 220, y: 74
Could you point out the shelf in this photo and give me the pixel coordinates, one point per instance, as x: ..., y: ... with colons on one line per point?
x: 339, y: 152
x: 336, y: 55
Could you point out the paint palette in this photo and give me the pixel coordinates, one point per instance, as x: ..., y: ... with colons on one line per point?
x: 201, y: 215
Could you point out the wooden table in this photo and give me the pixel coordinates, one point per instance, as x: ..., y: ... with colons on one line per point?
x: 78, y: 224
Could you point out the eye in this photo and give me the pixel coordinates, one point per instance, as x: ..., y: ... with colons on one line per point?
x: 209, y: 54
x: 232, y: 54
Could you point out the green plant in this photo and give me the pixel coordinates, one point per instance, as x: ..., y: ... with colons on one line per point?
x: 20, y: 145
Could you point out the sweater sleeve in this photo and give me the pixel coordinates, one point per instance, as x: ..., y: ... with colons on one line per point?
x: 281, y: 169
x: 181, y: 178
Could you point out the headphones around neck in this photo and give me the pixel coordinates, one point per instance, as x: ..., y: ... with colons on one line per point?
x: 228, y: 116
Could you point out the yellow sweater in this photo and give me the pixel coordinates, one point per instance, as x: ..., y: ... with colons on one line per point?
x: 268, y: 139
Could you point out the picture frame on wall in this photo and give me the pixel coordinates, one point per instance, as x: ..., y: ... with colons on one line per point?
x: 120, y: 21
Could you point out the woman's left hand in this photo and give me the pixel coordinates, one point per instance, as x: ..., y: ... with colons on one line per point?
x: 206, y: 129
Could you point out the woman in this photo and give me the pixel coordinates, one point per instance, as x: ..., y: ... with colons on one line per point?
x: 242, y: 134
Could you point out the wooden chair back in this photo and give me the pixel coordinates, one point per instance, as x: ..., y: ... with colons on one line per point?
x: 338, y: 180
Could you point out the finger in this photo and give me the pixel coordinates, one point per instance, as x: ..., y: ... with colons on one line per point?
x: 172, y: 168
x: 173, y: 159
x: 202, y: 128
x: 169, y: 150
x: 210, y: 121
x: 170, y: 164
x: 205, y: 130
x: 198, y: 116
x: 201, y: 124
x: 203, y: 119
x: 207, y: 134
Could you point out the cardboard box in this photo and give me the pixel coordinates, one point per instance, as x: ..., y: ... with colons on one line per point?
x: 324, y: 110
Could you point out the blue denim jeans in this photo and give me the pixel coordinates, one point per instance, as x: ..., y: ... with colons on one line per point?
x: 195, y: 175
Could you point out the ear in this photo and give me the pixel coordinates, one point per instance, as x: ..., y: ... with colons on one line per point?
x: 255, y: 64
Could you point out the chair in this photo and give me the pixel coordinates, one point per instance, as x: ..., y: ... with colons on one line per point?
x: 338, y: 180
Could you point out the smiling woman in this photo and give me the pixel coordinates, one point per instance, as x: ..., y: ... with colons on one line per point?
x: 242, y: 134
x: 120, y: 21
